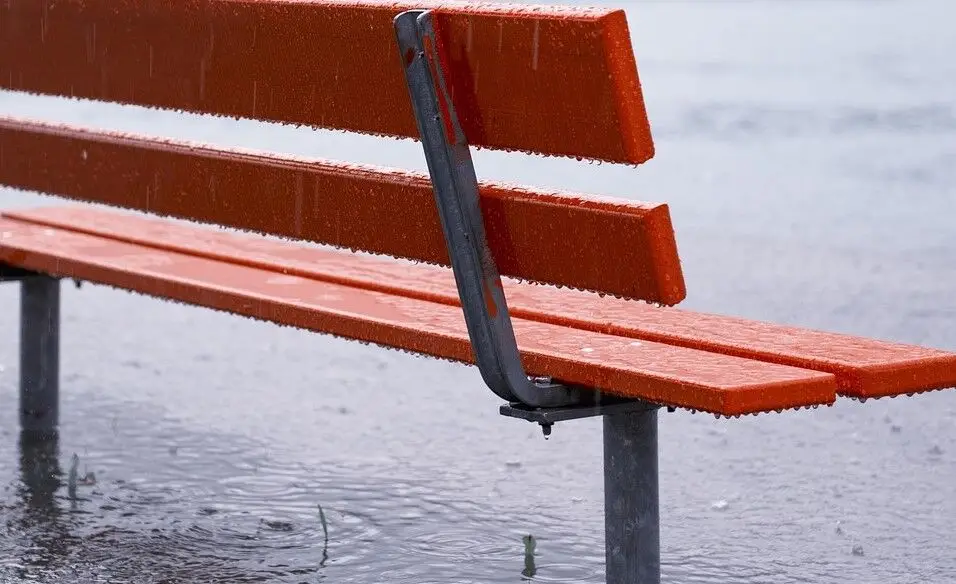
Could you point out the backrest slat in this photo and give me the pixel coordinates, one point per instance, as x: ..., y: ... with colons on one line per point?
x: 621, y: 248
x: 556, y: 81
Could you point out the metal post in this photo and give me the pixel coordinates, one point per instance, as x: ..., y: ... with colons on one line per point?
x: 631, y: 502
x: 39, y: 354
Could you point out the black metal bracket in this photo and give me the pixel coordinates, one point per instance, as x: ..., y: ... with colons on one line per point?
x: 455, y: 186
x: 14, y: 274
x: 599, y: 406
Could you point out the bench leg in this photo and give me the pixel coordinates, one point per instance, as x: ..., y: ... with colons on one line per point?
x: 631, y: 503
x: 39, y: 354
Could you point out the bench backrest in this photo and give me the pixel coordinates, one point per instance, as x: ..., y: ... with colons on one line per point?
x: 554, y: 81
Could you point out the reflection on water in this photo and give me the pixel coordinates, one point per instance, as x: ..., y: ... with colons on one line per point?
x: 38, y: 517
x: 168, y: 505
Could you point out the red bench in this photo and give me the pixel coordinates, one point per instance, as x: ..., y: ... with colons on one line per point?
x: 488, y: 75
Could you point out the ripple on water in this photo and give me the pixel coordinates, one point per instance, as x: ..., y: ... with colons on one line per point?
x: 220, y: 509
x: 468, y: 542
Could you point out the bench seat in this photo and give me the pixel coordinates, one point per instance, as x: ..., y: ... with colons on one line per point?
x: 674, y: 357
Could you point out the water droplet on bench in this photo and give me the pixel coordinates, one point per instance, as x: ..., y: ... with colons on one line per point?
x: 513, y: 463
x: 720, y: 505
x: 857, y: 550
x: 587, y: 350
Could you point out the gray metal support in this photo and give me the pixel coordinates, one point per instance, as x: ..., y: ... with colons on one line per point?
x: 456, y: 196
x: 39, y: 354
x: 631, y: 501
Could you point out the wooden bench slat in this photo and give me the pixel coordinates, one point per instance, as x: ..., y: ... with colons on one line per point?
x: 662, y: 373
x: 551, y: 80
x: 863, y: 367
x: 557, y: 238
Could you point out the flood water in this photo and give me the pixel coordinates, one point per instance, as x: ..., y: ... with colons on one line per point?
x: 808, y: 151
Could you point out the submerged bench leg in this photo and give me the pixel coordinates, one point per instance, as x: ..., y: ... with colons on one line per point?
x: 631, y: 503
x: 39, y: 354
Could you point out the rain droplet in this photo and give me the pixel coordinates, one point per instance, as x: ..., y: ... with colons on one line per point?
x: 720, y: 505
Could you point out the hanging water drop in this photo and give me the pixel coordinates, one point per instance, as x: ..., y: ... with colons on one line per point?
x: 546, y: 430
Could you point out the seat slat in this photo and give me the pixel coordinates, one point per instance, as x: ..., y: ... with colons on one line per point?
x: 556, y: 238
x: 863, y: 367
x: 560, y: 81
x: 662, y: 373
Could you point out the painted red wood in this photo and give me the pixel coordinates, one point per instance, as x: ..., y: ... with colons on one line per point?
x: 658, y: 372
x: 559, y: 238
x: 863, y: 367
x: 550, y: 80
